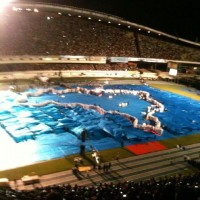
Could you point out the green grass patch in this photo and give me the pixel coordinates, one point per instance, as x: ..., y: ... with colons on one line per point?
x: 183, y: 140
x: 42, y: 168
x: 62, y: 164
x: 177, y: 89
x: 110, y: 154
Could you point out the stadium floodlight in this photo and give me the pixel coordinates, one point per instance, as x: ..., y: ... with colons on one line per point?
x: 4, y: 3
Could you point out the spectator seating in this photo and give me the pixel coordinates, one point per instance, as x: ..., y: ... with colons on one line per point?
x: 179, y: 187
x: 48, y: 33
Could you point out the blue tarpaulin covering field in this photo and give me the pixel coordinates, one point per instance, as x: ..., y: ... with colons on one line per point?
x: 56, y: 130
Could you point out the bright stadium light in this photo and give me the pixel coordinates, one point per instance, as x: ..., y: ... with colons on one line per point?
x: 4, y: 3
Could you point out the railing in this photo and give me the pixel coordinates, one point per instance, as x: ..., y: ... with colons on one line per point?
x: 83, y: 59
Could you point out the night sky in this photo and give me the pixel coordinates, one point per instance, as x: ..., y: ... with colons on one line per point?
x: 179, y: 18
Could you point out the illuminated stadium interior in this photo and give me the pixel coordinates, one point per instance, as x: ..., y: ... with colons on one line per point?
x: 64, y: 71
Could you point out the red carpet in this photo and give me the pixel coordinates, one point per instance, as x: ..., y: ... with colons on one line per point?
x: 148, y: 147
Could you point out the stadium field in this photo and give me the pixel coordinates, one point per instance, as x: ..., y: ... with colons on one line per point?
x: 182, y: 129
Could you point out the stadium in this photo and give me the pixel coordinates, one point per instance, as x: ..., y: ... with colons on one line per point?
x: 95, y: 106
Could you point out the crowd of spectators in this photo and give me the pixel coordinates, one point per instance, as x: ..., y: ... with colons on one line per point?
x: 67, y: 66
x: 49, y: 32
x: 179, y: 187
x: 158, y: 47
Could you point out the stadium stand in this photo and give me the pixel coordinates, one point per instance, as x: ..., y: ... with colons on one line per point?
x: 159, y: 47
x: 49, y: 32
x: 178, y: 187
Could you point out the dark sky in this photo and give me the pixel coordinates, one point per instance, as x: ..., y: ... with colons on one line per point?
x: 177, y: 17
